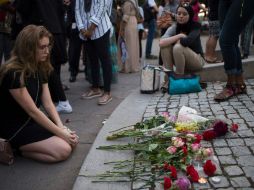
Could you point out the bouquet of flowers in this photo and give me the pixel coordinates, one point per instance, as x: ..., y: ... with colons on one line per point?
x: 166, y: 145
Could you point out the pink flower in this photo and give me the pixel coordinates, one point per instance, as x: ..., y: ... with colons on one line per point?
x: 183, y: 183
x: 177, y: 142
x: 166, y: 115
x: 171, y: 149
x: 195, y: 147
x: 207, y: 152
x: 190, y: 137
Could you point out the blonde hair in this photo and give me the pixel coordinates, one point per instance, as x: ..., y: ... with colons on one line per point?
x: 24, y: 54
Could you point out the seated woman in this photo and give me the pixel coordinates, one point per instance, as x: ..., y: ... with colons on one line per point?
x: 181, y: 44
x: 23, y: 89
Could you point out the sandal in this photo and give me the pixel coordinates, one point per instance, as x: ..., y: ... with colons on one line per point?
x: 240, y: 89
x: 225, y: 94
x: 216, y: 60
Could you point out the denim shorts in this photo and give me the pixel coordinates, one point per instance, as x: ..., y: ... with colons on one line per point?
x: 214, y: 28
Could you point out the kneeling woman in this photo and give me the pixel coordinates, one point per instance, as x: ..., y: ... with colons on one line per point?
x: 23, y: 89
x: 181, y: 44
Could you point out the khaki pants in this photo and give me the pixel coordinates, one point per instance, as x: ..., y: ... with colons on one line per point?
x: 185, y: 60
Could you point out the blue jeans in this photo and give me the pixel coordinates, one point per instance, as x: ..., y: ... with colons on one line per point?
x: 246, y: 37
x: 150, y: 36
x: 233, y: 16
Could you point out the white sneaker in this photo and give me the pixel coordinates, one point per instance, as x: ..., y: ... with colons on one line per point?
x: 64, y: 107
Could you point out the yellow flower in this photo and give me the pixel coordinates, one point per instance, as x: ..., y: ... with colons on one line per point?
x: 186, y: 127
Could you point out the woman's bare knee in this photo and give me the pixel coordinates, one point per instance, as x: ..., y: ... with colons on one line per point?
x: 62, y: 152
x: 54, y: 147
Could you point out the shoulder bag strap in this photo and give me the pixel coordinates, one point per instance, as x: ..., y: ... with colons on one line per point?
x: 38, y: 87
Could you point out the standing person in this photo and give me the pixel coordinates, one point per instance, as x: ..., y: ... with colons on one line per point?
x: 140, y: 31
x: 150, y: 11
x: 75, y: 43
x: 245, y: 38
x: 181, y: 44
x: 50, y: 13
x: 94, y: 25
x: 214, y: 31
x: 233, y: 16
x: 23, y: 89
x: 128, y: 32
x: 6, y: 14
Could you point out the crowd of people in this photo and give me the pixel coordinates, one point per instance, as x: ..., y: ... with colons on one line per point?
x: 33, y: 43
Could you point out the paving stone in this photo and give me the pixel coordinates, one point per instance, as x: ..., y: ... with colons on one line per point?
x: 249, y: 171
x: 249, y: 141
x: 245, y: 133
x: 227, y: 160
x: 247, y: 117
x: 235, y: 142
x: 223, y: 151
x: 243, y: 111
x: 240, y: 182
x: 233, y: 170
x: 238, y: 121
x: 220, y: 143
x: 233, y: 116
x: 161, y: 110
x: 240, y: 150
x: 235, y: 103
x: 223, y: 183
x: 246, y: 188
x: 201, y: 186
x: 231, y: 111
x: 250, y: 124
x: 246, y: 160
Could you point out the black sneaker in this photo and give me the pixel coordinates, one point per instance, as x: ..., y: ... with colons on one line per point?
x: 151, y: 57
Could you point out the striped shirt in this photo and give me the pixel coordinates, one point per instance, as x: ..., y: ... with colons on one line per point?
x: 99, y: 15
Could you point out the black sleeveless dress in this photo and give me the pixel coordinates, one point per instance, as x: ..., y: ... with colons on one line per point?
x: 13, y: 116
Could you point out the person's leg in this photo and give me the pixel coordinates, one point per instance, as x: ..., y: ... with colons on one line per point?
x: 7, y: 46
x: 186, y: 59
x: 53, y: 149
x: 233, y: 15
x: 210, y: 53
x: 102, y: 46
x: 150, y: 36
x: 75, y: 44
x: 140, y: 35
x: 167, y: 60
x: 233, y: 18
x: 92, y: 55
x: 246, y: 37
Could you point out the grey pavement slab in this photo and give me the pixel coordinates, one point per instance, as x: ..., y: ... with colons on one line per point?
x: 129, y: 112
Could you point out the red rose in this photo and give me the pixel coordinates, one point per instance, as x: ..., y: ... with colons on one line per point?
x: 167, y: 183
x: 209, y: 135
x: 209, y: 168
x: 198, y: 138
x: 220, y: 128
x: 166, y: 166
x: 185, y: 151
x: 192, y: 173
x: 234, y: 128
x: 173, y: 172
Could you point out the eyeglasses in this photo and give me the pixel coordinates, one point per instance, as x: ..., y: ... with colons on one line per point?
x: 45, y: 47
